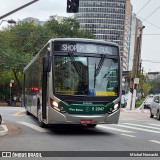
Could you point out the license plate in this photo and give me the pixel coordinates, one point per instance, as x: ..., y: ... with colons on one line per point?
x: 86, y: 121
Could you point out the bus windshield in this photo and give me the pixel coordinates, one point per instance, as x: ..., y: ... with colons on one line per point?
x: 87, y: 76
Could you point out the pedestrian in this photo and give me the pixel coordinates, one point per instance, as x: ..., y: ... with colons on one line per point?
x: 14, y: 100
x: 21, y: 103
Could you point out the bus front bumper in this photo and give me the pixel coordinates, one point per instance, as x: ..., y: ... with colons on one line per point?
x: 59, y: 118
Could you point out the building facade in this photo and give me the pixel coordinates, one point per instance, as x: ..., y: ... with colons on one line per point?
x: 108, y: 20
x: 34, y: 20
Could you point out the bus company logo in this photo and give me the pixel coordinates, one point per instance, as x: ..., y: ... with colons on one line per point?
x: 87, y: 109
x: 6, y: 154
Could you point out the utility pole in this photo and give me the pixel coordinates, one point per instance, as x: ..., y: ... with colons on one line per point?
x: 136, y: 64
x: 15, y: 10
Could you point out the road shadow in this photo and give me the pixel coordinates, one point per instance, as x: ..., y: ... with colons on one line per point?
x: 74, y: 129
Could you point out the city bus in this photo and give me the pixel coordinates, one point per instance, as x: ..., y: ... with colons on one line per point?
x: 74, y: 81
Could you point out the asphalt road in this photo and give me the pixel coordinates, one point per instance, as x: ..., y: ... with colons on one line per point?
x: 135, y: 132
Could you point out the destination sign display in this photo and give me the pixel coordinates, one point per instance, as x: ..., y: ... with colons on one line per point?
x: 85, y: 48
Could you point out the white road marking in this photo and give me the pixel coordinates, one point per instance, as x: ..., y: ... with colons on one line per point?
x: 140, y: 129
x: 115, y: 129
x: 145, y: 126
x: 155, y: 124
x: 127, y: 135
x: 34, y: 127
x: 154, y: 141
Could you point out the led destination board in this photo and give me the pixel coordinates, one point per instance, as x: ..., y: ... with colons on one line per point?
x: 85, y: 48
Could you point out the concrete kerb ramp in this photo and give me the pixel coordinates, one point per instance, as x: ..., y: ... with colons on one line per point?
x: 3, y: 128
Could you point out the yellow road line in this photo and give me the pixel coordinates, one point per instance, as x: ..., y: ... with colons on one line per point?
x: 19, y: 113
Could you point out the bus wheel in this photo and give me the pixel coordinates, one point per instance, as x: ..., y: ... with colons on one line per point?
x: 0, y: 119
x: 27, y: 113
x: 41, y: 123
x: 91, y: 125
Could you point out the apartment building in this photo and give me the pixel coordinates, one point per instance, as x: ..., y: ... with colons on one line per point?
x: 108, y: 20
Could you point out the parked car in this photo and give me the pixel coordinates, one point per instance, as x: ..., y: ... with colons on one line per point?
x: 148, y: 102
x: 155, y: 107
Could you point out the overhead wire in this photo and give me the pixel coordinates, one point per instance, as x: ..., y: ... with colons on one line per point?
x: 143, y: 7
x: 151, y: 13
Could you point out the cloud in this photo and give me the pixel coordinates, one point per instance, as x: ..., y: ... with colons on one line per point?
x: 41, y: 9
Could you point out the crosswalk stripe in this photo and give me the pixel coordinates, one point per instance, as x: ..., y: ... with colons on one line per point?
x: 139, y: 125
x: 155, y: 124
x: 34, y: 127
x: 154, y: 141
x: 136, y: 128
x: 128, y: 135
x: 115, y: 129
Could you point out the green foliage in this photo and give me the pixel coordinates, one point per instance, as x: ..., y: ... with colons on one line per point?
x: 155, y: 86
x: 139, y: 102
x: 144, y: 86
x: 19, y: 43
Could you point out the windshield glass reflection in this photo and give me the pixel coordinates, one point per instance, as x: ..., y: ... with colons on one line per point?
x: 92, y: 76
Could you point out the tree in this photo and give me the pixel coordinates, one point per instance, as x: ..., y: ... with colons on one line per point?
x: 19, y: 43
x: 144, y: 86
x: 69, y: 27
x: 155, y: 83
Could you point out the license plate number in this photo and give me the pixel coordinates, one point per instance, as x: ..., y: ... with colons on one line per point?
x: 86, y: 121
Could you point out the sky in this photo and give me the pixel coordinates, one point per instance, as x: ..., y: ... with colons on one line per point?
x: 147, y: 10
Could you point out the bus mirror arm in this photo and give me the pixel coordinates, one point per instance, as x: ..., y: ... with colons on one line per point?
x: 47, y: 63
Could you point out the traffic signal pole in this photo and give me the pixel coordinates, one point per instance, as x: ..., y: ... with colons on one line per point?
x: 15, y: 10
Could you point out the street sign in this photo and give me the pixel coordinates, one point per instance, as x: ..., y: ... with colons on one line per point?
x: 136, y: 80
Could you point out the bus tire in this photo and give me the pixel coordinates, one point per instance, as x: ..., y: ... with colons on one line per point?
x: 0, y: 119
x: 41, y: 123
x: 91, y: 125
x: 27, y: 113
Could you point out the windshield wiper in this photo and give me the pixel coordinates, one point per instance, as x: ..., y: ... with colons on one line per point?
x: 110, y: 69
x: 97, y: 70
x: 76, y: 66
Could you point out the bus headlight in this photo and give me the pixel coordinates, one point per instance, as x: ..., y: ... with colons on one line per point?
x: 57, y: 106
x: 116, y: 106
x: 113, y: 108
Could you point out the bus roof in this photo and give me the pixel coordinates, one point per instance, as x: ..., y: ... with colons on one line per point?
x: 84, y: 40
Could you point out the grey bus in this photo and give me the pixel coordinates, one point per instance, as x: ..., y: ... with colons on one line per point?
x: 74, y: 81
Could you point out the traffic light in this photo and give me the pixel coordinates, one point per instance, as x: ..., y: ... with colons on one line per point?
x: 72, y: 6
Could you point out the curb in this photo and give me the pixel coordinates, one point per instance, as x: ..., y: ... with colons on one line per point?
x: 3, y: 130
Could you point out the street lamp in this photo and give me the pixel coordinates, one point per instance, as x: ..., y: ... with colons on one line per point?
x: 10, y: 85
x: 11, y: 21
